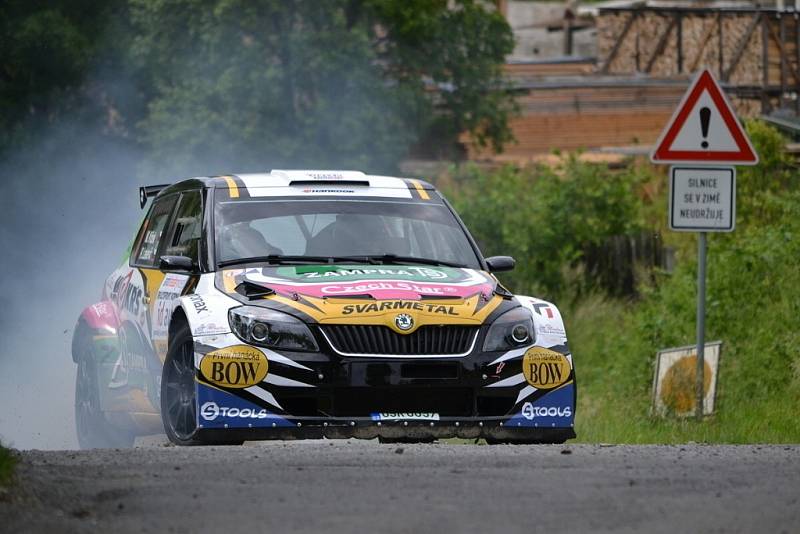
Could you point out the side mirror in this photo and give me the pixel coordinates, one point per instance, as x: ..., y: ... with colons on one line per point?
x: 498, y: 264
x: 176, y: 263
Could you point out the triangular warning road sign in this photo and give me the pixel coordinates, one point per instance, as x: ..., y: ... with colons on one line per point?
x: 704, y: 129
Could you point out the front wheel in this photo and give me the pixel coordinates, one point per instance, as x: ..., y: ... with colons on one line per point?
x: 179, y: 393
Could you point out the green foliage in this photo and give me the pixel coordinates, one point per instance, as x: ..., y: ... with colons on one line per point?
x: 7, y: 463
x: 546, y: 218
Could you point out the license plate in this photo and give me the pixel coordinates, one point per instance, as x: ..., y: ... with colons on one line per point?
x: 405, y: 416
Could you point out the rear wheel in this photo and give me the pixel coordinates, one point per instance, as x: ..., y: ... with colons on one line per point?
x: 91, y: 426
x: 179, y: 394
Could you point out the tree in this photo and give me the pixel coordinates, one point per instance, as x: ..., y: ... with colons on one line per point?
x: 345, y: 83
x: 46, y: 51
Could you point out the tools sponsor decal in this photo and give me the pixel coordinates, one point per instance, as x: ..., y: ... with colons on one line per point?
x: 239, y: 366
x: 531, y: 412
x: 544, y: 368
x: 211, y: 410
x: 420, y: 416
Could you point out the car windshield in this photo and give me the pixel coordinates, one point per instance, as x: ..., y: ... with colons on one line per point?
x: 320, y: 229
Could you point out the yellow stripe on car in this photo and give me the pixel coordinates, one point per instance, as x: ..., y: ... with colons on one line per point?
x: 421, y: 190
x: 233, y: 189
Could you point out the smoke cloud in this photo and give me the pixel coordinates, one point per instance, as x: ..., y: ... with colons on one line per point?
x: 69, y: 209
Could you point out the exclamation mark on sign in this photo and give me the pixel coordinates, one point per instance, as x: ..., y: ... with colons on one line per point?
x: 705, y: 118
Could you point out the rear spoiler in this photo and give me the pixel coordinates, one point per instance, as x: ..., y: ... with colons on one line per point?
x: 149, y: 191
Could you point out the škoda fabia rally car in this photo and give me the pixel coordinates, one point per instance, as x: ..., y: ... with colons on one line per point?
x: 309, y: 304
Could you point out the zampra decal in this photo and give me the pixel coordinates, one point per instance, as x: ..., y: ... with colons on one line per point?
x: 545, y: 368
x: 239, y: 366
x: 425, y: 273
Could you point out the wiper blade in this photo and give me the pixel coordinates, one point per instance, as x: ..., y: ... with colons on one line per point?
x: 280, y: 259
x: 395, y: 259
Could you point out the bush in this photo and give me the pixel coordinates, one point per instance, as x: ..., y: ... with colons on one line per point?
x: 547, y: 218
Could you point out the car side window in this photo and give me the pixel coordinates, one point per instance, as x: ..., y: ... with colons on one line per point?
x: 186, y: 229
x: 145, y: 254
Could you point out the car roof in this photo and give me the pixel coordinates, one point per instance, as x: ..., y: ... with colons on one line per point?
x: 295, y: 182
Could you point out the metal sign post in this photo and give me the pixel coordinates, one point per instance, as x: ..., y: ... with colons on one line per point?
x: 703, y: 131
x: 701, y: 324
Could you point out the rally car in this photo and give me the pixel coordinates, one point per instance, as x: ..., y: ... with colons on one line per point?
x: 310, y: 304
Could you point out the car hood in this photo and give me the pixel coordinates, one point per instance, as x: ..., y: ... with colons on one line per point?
x: 360, y: 294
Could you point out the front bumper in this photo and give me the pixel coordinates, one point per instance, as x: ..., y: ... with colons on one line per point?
x: 481, y: 395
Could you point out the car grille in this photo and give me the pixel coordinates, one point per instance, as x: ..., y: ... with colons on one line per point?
x: 379, y: 339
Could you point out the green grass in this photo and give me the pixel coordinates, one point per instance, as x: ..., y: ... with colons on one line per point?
x: 7, y: 462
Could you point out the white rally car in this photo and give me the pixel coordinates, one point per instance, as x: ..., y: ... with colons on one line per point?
x: 298, y: 304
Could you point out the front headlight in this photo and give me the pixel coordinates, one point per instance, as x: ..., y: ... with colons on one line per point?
x: 270, y: 328
x: 511, y: 330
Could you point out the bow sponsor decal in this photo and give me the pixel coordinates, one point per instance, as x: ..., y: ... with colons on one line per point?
x: 239, y: 366
x: 545, y: 368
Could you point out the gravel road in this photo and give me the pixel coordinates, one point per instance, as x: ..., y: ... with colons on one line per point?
x: 352, y: 486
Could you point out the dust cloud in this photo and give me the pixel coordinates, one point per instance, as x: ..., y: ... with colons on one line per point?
x: 68, y: 209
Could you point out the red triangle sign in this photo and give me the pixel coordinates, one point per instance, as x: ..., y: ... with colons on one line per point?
x: 704, y: 129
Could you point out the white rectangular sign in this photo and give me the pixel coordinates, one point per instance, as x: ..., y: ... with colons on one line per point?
x: 702, y: 199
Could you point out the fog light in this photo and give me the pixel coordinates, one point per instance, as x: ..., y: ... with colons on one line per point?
x: 520, y: 333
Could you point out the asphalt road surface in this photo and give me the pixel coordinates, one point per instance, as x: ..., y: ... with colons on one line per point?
x: 352, y: 486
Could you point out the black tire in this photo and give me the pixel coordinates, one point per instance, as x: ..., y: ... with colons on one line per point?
x: 91, y: 426
x: 179, y: 395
